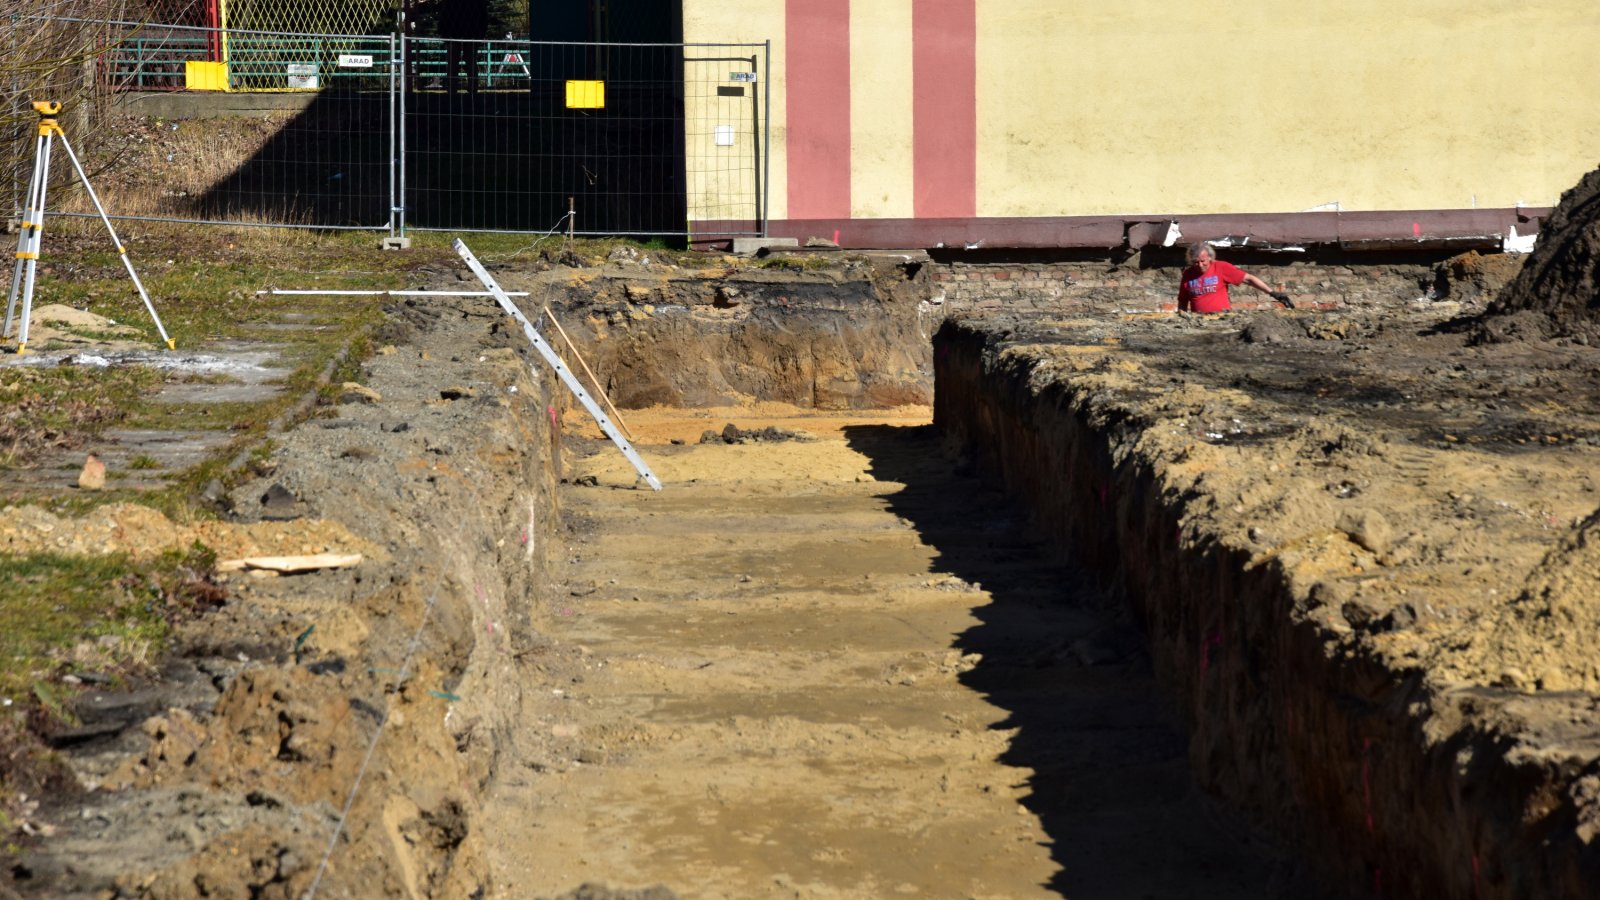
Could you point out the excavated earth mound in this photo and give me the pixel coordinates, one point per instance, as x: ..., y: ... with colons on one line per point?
x: 1558, y: 292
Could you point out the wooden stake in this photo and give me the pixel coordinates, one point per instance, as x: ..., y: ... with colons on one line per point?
x: 592, y: 380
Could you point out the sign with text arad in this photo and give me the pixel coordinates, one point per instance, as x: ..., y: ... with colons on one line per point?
x: 355, y: 61
x: 742, y: 76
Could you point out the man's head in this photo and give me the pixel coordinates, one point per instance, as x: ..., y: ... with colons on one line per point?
x: 1200, y: 254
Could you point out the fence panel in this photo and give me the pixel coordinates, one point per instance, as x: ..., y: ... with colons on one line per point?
x: 381, y: 132
x: 501, y: 135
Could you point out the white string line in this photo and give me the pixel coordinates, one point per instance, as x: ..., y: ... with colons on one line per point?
x: 551, y: 233
x: 372, y: 748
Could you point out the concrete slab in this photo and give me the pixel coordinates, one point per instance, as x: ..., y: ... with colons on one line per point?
x: 749, y: 246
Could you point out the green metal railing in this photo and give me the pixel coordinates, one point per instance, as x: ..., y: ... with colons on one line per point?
x: 152, y: 64
x: 261, y: 62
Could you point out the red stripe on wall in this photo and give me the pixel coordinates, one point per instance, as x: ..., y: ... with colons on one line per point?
x: 944, y: 108
x: 817, y: 41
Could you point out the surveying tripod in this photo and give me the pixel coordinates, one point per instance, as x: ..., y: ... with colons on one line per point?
x: 32, y: 233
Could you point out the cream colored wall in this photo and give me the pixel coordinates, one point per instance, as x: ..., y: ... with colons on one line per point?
x: 880, y: 109
x: 740, y: 22
x: 1088, y: 107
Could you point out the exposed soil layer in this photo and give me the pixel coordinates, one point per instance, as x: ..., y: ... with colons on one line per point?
x: 1557, y: 293
x: 1362, y: 551
x: 843, y: 667
x: 850, y: 335
x: 254, y: 765
x: 1361, y: 547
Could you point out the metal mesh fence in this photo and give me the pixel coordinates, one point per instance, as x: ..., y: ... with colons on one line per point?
x: 654, y: 137
x: 309, y: 16
x: 380, y: 131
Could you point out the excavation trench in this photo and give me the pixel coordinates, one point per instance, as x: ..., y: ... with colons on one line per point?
x: 1012, y: 644
x: 1308, y: 516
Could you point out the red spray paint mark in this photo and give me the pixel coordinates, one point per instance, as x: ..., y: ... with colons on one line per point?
x: 553, y: 421
x: 524, y: 537
x: 1416, y: 229
x: 836, y: 235
x: 1105, y: 496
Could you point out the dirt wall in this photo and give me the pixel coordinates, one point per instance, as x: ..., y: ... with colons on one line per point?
x: 1399, y: 784
x: 385, y: 690
x: 850, y: 335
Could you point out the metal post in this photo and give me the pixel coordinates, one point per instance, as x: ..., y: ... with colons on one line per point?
x: 766, y: 160
x: 400, y: 126
x: 391, y: 131
x: 755, y: 138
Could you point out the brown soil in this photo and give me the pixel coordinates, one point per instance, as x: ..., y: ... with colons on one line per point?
x: 1382, y: 538
x: 807, y: 665
x: 1557, y: 293
x: 834, y: 662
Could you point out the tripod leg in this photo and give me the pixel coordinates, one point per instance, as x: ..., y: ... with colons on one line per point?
x: 27, y: 238
x: 121, y: 250
x: 32, y: 262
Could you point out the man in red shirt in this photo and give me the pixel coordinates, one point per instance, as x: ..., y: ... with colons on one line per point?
x: 1204, y: 287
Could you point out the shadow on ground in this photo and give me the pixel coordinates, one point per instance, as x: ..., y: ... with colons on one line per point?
x: 1110, y: 781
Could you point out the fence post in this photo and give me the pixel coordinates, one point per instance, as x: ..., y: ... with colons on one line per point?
x: 766, y: 158
x: 399, y: 125
x: 392, y: 174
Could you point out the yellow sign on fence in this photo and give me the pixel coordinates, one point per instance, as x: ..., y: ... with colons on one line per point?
x: 205, y: 76
x: 586, y: 95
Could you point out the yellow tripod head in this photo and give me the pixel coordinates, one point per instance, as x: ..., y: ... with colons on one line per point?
x: 47, y: 110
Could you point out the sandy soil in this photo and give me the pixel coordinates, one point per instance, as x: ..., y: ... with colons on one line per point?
x: 805, y: 664
x: 826, y: 660
x: 1387, y: 528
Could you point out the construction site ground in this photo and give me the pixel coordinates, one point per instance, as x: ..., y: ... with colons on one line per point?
x: 832, y: 659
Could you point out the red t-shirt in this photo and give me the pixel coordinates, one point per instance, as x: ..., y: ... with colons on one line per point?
x: 1208, y: 293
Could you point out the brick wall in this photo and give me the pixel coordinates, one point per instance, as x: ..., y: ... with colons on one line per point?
x: 1098, y: 287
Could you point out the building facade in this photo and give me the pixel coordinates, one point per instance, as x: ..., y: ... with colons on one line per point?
x: 1088, y: 123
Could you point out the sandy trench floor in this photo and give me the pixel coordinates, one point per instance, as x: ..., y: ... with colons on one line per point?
x: 836, y: 667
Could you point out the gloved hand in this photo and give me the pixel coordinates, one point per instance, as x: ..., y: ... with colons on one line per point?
x: 1282, y: 297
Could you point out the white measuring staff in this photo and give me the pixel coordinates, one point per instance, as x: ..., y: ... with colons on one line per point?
x: 297, y: 293
x: 551, y: 357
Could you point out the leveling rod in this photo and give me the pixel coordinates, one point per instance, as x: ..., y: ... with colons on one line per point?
x: 554, y: 359
x: 278, y: 293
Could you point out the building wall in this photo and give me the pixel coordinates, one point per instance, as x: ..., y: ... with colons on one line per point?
x: 955, y: 111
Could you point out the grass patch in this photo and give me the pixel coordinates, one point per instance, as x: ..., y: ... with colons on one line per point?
x: 62, y: 407
x: 144, y: 461
x: 108, y: 618
x: 104, y: 614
